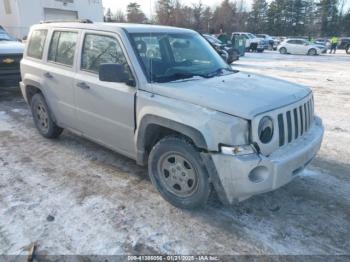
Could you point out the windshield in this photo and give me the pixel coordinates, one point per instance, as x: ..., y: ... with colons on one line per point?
x: 170, y: 57
x: 213, y: 39
x: 4, y: 36
x: 251, y: 36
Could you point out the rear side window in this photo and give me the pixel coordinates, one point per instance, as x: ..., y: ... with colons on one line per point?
x: 36, y: 44
x: 62, y: 47
x: 99, y: 49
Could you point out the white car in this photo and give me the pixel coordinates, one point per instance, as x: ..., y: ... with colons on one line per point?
x: 299, y: 47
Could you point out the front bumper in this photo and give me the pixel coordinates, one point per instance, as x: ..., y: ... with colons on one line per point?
x: 244, y: 176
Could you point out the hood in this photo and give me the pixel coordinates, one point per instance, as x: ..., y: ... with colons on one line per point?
x: 11, y: 47
x: 240, y: 94
x: 320, y: 46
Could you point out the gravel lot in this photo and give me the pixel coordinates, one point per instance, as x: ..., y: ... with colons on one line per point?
x: 71, y: 196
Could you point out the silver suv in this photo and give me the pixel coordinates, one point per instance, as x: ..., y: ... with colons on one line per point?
x: 164, y: 97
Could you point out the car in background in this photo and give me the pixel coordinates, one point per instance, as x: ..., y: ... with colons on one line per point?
x: 323, y: 41
x: 298, y: 46
x: 11, y: 53
x: 252, y: 42
x: 270, y: 42
x: 227, y: 52
x: 344, y: 43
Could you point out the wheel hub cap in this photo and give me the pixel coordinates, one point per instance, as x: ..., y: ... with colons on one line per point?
x: 178, y: 175
x: 42, y: 116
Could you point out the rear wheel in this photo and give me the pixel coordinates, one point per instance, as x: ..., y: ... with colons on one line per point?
x: 312, y: 52
x: 283, y: 50
x: 43, y: 119
x: 176, y: 169
x: 348, y: 50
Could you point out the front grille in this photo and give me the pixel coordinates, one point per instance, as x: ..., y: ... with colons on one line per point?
x: 295, y: 122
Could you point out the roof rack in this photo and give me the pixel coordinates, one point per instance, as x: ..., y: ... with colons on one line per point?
x: 83, y: 21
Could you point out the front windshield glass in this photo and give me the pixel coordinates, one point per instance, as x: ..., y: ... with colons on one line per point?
x: 251, y: 36
x: 4, y: 36
x: 214, y: 39
x: 170, y: 57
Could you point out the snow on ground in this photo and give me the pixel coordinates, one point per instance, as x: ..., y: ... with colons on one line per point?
x: 71, y: 196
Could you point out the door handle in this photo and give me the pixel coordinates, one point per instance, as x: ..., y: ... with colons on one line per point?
x: 48, y: 75
x: 83, y: 85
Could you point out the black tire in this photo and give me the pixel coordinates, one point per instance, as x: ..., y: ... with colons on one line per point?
x: 348, y: 50
x: 43, y: 118
x: 283, y: 50
x: 312, y: 52
x: 175, y: 165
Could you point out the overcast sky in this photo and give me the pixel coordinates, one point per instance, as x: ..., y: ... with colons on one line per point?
x: 148, y: 6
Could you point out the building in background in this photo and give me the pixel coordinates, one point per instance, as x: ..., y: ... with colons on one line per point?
x: 16, y: 16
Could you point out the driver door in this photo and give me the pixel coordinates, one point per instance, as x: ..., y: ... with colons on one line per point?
x: 105, y: 110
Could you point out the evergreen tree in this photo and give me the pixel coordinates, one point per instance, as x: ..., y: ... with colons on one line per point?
x: 134, y: 13
x: 327, y: 11
x: 258, y: 17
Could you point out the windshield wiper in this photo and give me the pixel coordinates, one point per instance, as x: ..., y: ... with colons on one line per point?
x: 218, y: 71
x: 177, y: 76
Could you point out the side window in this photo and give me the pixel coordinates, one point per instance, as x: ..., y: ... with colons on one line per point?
x: 36, y: 44
x: 62, y: 47
x: 99, y: 49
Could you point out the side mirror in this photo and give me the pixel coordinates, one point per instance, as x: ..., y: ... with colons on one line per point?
x: 115, y: 73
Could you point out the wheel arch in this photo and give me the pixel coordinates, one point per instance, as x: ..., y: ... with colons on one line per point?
x: 31, y: 86
x: 152, y: 128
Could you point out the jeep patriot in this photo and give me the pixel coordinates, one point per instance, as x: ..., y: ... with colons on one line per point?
x: 163, y: 97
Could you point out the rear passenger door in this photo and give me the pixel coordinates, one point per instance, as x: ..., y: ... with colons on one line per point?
x: 105, y: 110
x: 59, y: 76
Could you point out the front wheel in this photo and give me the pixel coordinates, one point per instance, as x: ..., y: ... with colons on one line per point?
x: 43, y: 119
x: 348, y: 50
x: 177, y: 171
x: 312, y: 52
x: 283, y: 50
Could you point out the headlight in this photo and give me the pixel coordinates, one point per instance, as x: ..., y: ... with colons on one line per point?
x: 265, y: 130
x: 238, y: 150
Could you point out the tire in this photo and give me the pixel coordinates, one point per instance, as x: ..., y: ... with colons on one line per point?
x: 348, y: 50
x: 177, y: 171
x: 283, y: 50
x: 43, y: 118
x: 312, y: 52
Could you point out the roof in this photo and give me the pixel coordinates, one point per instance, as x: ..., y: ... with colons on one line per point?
x: 131, y: 28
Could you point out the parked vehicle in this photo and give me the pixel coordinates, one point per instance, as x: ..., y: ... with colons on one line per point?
x: 11, y: 52
x: 270, y: 41
x: 276, y: 42
x: 197, y: 123
x: 226, y: 51
x: 344, y: 43
x: 299, y: 47
x: 323, y: 41
x: 252, y: 42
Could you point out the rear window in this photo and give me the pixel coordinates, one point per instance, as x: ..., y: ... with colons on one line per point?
x: 62, y: 47
x: 36, y: 44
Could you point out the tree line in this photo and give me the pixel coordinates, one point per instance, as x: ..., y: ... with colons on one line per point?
x: 277, y: 17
